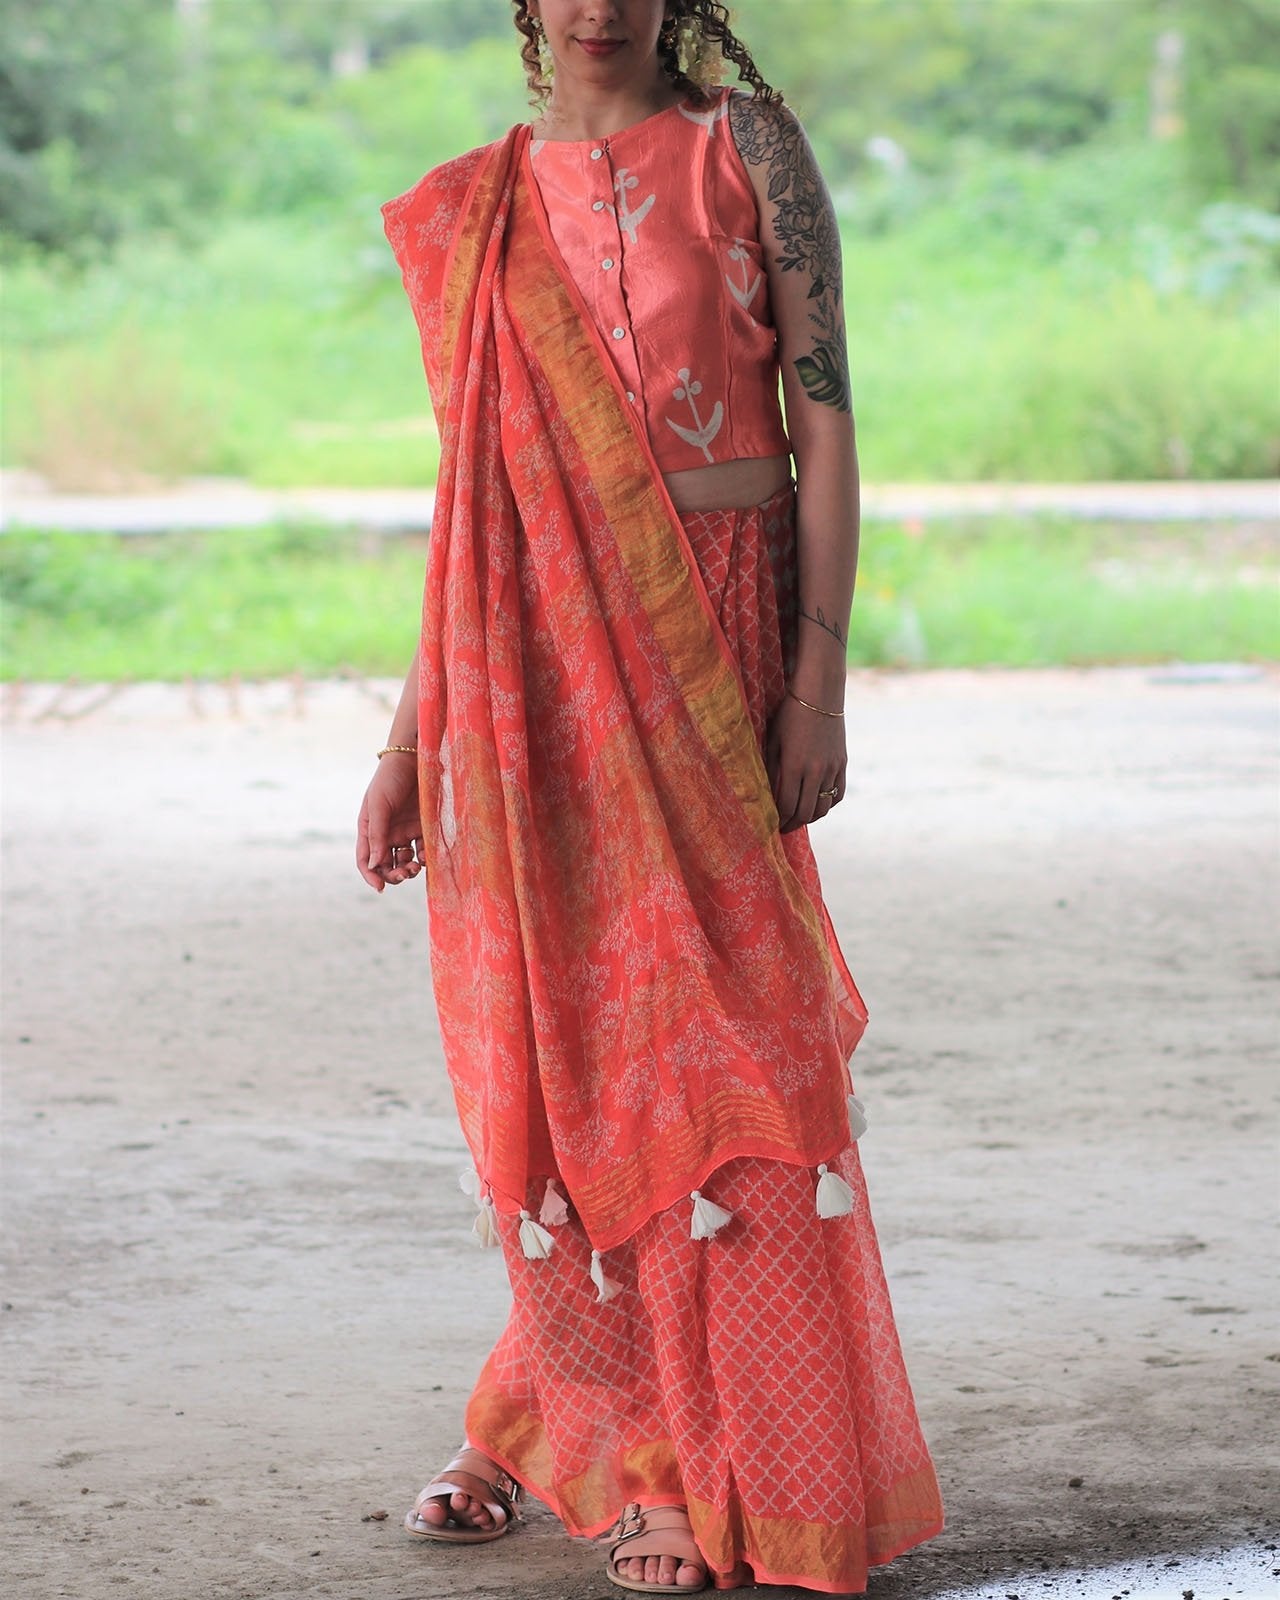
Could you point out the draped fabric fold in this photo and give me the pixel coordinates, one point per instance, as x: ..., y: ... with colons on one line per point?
x: 635, y: 978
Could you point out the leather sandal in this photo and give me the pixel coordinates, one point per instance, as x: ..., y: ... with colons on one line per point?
x: 655, y: 1531
x: 470, y: 1473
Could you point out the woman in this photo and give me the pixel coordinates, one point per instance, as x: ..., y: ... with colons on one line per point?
x: 624, y: 713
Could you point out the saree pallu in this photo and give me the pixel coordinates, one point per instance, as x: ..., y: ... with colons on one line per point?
x: 635, y: 977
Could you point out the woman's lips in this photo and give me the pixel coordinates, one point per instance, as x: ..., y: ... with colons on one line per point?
x: 601, y: 47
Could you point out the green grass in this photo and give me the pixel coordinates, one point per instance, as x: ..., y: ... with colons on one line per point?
x: 294, y: 599
x: 1062, y: 321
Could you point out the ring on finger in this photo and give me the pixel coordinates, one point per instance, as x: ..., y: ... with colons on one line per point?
x: 828, y: 794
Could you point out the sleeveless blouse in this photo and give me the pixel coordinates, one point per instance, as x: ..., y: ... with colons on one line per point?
x: 658, y: 227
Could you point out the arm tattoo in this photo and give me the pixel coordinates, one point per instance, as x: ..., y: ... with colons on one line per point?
x: 806, y: 227
x: 819, y: 618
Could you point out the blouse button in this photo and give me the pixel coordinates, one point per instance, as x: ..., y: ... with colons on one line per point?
x: 619, y: 333
x: 607, y: 263
x: 597, y: 205
x: 596, y: 154
x: 631, y: 396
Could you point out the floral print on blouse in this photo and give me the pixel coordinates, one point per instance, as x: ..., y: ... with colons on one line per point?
x: 658, y: 227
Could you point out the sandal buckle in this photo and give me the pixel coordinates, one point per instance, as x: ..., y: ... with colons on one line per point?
x: 630, y: 1525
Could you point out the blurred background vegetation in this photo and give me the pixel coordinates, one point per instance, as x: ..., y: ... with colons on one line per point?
x: 1059, y: 216
x: 1062, y: 263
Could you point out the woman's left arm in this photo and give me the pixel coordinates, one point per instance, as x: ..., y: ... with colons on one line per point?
x: 806, y: 752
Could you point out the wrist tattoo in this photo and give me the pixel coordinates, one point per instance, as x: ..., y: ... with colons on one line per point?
x: 805, y: 223
x: 819, y: 618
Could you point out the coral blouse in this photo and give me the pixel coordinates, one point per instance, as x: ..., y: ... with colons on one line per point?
x: 659, y: 229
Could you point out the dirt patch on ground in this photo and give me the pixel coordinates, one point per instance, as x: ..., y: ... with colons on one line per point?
x: 245, y: 1310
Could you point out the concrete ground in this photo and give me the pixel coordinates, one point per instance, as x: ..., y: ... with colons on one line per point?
x: 244, y: 1309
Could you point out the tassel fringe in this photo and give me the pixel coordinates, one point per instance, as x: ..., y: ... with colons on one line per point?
x: 535, y: 1241
x: 606, y: 1288
x: 485, y: 1227
x: 708, y: 1218
x: 555, y: 1208
x: 834, y: 1196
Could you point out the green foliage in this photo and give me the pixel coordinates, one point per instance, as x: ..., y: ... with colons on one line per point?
x: 120, y: 416
x: 1027, y: 74
x: 425, y: 106
x: 264, y: 603
x: 1056, y: 593
x: 1029, y: 381
x: 1012, y: 593
x: 1233, y: 97
x: 85, y: 156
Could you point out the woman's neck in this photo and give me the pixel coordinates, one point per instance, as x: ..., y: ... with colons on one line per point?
x: 580, y: 112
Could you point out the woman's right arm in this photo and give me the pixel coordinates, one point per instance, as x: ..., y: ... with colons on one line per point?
x: 389, y: 813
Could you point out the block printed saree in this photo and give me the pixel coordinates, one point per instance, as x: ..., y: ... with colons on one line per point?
x: 638, y: 986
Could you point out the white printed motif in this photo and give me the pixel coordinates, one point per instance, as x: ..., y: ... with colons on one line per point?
x: 744, y: 293
x: 628, y: 220
x: 702, y: 433
x: 708, y: 119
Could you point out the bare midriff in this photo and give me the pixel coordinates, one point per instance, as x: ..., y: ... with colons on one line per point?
x: 728, y: 485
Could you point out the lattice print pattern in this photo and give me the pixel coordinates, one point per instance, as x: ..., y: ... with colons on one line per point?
x: 758, y: 1371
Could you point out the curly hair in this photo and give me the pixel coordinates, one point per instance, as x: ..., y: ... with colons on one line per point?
x: 693, y: 46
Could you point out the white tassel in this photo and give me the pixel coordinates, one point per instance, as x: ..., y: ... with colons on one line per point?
x: 708, y: 1217
x: 606, y: 1288
x: 535, y: 1241
x: 485, y: 1227
x: 835, y: 1197
x: 857, y: 1117
x: 555, y: 1208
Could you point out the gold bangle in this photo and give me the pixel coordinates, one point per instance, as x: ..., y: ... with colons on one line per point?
x: 819, y: 709
x: 398, y: 750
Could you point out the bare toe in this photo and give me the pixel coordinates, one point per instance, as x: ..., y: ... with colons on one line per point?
x: 431, y: 1512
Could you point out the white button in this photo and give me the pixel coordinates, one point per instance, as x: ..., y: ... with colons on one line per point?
x: 597, y: 205
x: 630, y: 396
x: 607, y: 263
x: 619, y: 333
x: 596, y: 154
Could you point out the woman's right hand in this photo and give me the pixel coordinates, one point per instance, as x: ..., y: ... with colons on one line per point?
x: 390, y: 820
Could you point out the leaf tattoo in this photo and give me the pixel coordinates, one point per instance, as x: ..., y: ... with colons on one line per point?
x: 826, y: 376
x: 818, y: 617
x: 806, y: 227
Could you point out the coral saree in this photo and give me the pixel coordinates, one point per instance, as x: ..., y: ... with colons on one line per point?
x: 640, y: 994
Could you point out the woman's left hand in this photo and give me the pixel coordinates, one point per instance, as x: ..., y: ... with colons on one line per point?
x: 806, y: 757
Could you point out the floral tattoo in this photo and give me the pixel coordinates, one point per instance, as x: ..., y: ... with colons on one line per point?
x: 769, y: 136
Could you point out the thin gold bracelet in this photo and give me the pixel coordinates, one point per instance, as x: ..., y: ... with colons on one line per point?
x: 822, y: 712
x: 398, y: 750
